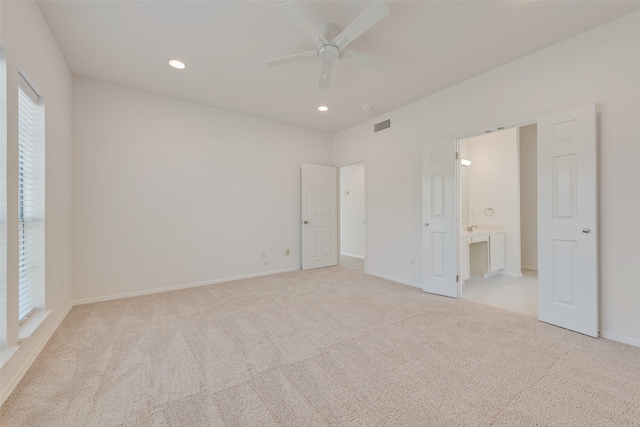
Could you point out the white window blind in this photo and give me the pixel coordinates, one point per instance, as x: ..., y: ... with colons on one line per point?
x: 30, y: 201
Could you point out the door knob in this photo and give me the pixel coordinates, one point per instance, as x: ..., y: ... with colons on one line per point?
x: 426, y: 224
x: 586, y: 230
x: 305, y: 222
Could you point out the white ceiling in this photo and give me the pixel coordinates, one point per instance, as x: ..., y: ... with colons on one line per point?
x: 429, y: 45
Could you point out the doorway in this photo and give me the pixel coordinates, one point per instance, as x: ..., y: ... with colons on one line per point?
x: 567, y: 182
x: 352, y: 229
x: 498, y: 206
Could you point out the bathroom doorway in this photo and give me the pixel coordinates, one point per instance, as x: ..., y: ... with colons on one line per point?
x: 352, y: 216
x: 498, y: 207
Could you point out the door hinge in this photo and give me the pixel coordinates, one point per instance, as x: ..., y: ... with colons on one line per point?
x: 457, y: 278
x: 456, y: 155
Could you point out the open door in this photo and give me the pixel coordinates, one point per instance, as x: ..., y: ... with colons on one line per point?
x: 439, y: 230
x: 567, y: 220
x: 319, y: 216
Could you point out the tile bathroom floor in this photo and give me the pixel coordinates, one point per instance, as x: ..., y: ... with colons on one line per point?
x: 519, y: 294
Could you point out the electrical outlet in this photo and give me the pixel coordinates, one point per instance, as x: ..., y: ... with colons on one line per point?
x: 412, y: 261
x: 286, y: 252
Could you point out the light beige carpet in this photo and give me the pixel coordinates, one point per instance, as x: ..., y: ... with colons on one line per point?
x: 325, y: 347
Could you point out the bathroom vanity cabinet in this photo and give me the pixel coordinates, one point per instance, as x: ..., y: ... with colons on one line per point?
x: 496, y: 252
x: 481, y: 253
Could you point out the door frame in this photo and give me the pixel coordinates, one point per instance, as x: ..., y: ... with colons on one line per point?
x: 459, y: 137
x: 519, y: 124
x: 366, y: 223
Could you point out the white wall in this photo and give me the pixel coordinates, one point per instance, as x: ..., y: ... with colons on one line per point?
x: 169, y: 193
x: 529, y: 196
x: 494, y: 183
x: 29, y: 46
x: 601, y: 65
x: 352, y: 210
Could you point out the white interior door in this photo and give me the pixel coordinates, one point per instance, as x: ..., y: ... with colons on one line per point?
x: 439, y: 236
x: 319, y: 216
x: 567, y: 220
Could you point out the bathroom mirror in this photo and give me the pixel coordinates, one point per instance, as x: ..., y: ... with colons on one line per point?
x: 465, y: 195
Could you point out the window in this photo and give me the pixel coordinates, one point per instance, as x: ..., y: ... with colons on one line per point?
x: 3, y: 202
x: 30, y: 200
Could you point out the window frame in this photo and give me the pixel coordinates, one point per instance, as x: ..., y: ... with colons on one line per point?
x: 3, y: 203
x: 31, y: 196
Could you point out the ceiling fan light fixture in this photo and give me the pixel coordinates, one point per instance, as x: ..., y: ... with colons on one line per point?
x: 177, y: 64
x: 323, y: 108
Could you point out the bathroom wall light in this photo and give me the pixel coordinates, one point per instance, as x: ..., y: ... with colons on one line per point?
x: 465, y: 162
x: 323, y: 108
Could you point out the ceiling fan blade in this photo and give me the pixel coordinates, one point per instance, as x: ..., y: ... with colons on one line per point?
x: 293, y: 58
x: 301, y: 21
x: 325, y: 75
x: 368, y: 61
x: 370, y: 17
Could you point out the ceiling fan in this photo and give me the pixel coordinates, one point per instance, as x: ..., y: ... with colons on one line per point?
x: 331, y: 42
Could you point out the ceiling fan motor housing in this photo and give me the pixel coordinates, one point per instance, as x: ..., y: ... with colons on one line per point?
x: 330, y: 41
x: 330, y: 52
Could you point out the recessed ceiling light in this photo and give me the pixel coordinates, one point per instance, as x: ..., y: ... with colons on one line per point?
x: 323, y: 108
x: 177, y: 64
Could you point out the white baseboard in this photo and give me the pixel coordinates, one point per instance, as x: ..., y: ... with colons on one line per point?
x: 620, y: 338
x: 393, y: 279
x: 529, y: 268
x: 32, y: 357
x: 178, y: 287
x: 7, y: 353
x: 511, y: 273
x: 492, y: 273
x: 352, y: 255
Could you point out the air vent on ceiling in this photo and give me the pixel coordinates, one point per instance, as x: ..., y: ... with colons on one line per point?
x: 382, y: 125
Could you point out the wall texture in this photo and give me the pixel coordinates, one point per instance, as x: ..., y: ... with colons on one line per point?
x: 601, y: 65
x: 30, y: 47
x: 528, y: 196
x: 169, y: 193
x: 352, y: 224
